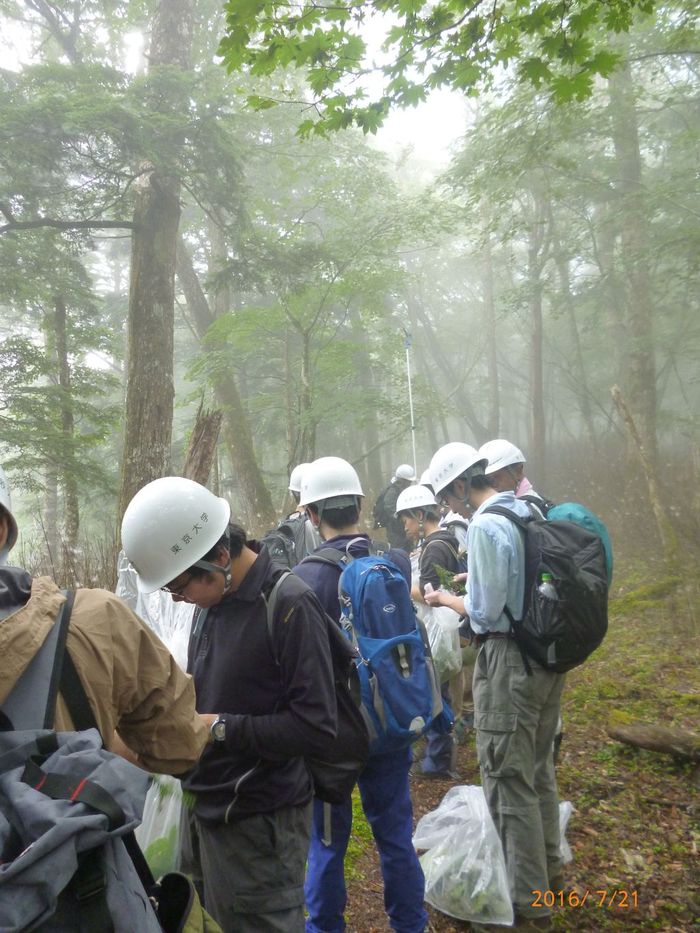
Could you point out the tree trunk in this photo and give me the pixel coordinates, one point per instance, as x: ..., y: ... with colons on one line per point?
x: 537, y: 454
x: 149, y: 394
x: 669, y: 541
x: 237, y: 434
x: 584, y: 396
x: 494, y: 405
x: 654, y: 737
x: 71, y: 507
x: 201, y: 450
x: 635, y: 255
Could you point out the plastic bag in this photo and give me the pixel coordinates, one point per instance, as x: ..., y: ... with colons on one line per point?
x: 566, y: 808
x: 442, y: 625
x: 170, y: 621
x: 465, y: 873
x: 159, y: 832
x: 158, y: 835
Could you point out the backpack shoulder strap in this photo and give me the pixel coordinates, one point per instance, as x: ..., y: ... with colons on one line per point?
x: 329, y: 555
x: 516, y: 519
x: 271, y: 597
x: 32, y: 701
x: 73, y: 693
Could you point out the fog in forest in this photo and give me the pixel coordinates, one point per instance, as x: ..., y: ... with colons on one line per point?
x: 173, y: 262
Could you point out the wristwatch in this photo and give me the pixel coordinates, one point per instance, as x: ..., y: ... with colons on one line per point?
x: 218, y: 729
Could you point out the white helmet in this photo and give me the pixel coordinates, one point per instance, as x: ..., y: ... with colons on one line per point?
x: 330, y: 478
x: 168, y: 526
x: 404, y: 471
x: 453, y: 460
x: 425, y: 479
x: 415, y: 497
x: 500, y: 454
x: 295, y: 477
x: 6, y: 504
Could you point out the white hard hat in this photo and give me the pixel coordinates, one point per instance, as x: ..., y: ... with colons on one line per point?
x: 500, y: 454
x: 6, y: 504
x: 329, y: 478
x: 451, y: 461
x: 404, y: 471
x: 415, y: 497
x: 295, y: 477
x: 168, y: 526
x: 425, y: 479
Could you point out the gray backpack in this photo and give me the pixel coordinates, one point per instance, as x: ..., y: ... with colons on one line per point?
x: 68, y: 858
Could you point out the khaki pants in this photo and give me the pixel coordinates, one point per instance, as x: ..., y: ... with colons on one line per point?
x: 515, y: 716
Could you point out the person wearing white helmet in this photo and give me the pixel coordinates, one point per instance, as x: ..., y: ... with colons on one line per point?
x: 385, y: 506
x: 295, y: 537
x: 332, y: 494
x: 506, y: 469
x: 269, y: 700
x: 515, y: 714
x: 141, y: 701
x: 438, y: 548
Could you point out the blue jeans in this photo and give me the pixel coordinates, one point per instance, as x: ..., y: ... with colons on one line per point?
x: 386, y: 801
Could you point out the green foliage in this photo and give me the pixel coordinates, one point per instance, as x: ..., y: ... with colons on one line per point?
x: 452, y: 43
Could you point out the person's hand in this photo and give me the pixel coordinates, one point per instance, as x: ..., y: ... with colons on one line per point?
x: 460, y: 578
x: 431, y: 596
x: 208, y: 718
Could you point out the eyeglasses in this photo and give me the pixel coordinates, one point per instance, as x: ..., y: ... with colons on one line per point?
x: 444, y: 497
x: 177, y: 589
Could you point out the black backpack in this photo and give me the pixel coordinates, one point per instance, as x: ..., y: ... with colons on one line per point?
x: 286, y: 543
x: 560, y: 633
x: 335, y: 772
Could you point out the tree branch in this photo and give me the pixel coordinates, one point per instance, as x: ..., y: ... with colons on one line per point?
x: 67, y: 224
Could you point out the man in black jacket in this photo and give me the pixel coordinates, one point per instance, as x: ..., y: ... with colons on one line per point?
x: 384, y: 512
x: 269, y: 704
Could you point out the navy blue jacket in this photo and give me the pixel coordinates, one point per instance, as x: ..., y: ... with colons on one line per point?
x: 274, y: 713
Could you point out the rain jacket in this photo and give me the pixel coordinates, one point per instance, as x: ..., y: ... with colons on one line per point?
x: 132, y: 682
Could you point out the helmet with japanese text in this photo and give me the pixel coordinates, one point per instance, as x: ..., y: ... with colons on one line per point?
x: 415, y: 497
x: 168, y: 526
x: 452, y: 461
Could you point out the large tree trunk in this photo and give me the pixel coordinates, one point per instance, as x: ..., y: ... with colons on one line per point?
x: 494, y: 409
x: 149, y: 394
x: 68, y: 480
x: 236, y: 430
x: 584, y: 392
x: 635, y: 255
x: 537, y: 454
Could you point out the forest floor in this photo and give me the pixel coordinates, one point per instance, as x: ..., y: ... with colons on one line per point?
x: 635, y: 828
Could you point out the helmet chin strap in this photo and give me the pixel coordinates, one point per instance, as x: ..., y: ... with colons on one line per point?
x: 215, y: 568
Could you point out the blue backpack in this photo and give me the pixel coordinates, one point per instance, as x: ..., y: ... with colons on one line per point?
x: 399, y: 687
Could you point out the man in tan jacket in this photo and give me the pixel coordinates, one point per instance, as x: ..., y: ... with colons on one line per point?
x: 138, y: 694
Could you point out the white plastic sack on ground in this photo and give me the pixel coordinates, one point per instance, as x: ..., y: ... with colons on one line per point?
x: 159, y: 833
x: 442, y: 625
x: 566, y: 808
x: 465, y: 875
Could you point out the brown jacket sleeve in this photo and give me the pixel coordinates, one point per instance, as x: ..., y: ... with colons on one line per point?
x: 133, y: 684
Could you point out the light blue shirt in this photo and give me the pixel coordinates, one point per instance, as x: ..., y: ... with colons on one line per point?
x: 496, y: 551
